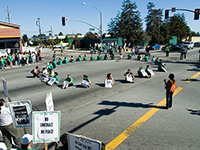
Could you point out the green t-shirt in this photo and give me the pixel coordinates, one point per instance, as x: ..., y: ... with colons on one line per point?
x: 112, y: 57
x: 78, y: 59
x: 50, y: 66
x: 69, y: 80
x: 92, y: 58
x: 51, y: 73
x: 105, y: 58
x: 10, y: 58
x: 57, y: 79
x: 99, y: 57
x: 129, y: 56
x: 2, y: 62
x: 55, y: 63
x: 146, y: 58
x: 156, y: 62
x: 159, y: 66
x: 65, y: 61
x: 138, y: 57
x: 87, y: 79
x: 85, y: 58
x: 60, y: 62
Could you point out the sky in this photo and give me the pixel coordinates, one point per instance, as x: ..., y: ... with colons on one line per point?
x: 50, y: 12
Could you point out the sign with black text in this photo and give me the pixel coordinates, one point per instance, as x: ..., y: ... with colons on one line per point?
x: 46, y: 126
x: 78, y: 142
x: 21, y: 112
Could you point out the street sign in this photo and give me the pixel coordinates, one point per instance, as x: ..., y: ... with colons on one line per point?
x: 46, y: 126
x: 49, y: 102
x: 78, y: 142
x: 173, y: 9
x: 21, y: 113
x: 92, y: 29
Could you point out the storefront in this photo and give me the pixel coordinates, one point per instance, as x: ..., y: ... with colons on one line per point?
x: 10, y: 37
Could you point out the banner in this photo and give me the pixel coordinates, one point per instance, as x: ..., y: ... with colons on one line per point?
x: 46, y: 126
x: 129, y: 78
x: 108, y: 84
x: 21, y: 113
x: 78, y: 142
x: 49, y: 102
x: 85, y: 83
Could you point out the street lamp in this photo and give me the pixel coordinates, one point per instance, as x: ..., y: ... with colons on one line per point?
x: 101, y: 27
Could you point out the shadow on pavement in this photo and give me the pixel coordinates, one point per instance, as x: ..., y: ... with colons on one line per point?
x: 190, y: 80
x: 29, y: 76
x: 100, y: 84
x: 194, y: 112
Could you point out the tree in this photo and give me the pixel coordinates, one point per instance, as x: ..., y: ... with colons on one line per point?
x: 25, y: 38
x: 56, y: 40
x: 66, y: 39
x: 90, y: 35
x: 127, y: 23
x: 153, y: 23
x: 60, y: 34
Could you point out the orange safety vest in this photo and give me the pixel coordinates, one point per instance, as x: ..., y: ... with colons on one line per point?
x: 172, y: 88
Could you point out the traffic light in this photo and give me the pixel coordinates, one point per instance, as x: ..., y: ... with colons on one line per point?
x: 196, y: 14
x: 166, y: 14
x: 63, y: 21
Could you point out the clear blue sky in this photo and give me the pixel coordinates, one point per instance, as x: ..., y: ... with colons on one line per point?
x: 26, y: 12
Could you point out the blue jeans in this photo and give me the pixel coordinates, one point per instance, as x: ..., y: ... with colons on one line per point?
x: 169, y: 95
x: 2, y: 66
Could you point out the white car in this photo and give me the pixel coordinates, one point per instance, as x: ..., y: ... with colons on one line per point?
x: 188, y: 44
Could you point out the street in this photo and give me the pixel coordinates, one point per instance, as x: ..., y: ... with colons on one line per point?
x: 104, y: 114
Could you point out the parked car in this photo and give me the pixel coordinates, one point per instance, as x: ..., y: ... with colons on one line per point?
x: 140, y: 50
x: 197, y: 44
x: 188, y: 44
x: 175, y: 48
x: 59, y: 45
x: 154, y: 47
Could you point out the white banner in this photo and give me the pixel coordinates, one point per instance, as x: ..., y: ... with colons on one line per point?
x: 85, y: 83
x: 129, y: 78
x: 108, y: 84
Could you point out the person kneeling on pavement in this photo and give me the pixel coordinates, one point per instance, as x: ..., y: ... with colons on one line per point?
x: 68, y: 82
x: 129, y: 76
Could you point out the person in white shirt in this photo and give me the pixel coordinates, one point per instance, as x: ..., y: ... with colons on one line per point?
x: 6, y: 127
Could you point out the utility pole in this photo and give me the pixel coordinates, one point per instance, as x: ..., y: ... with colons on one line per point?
x: 39, y: 31
x: 52, y: 37
x: 8, y: 14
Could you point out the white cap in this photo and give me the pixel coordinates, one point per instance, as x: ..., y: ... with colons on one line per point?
x: 27, y: 138
x: 3, y: 146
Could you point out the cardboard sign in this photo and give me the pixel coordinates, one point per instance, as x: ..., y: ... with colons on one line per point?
x: 49, y: 102
x: 78, y: 142
x: 85, y: 83
x: 21, y: 113
x: 46, y: 126
x: 129, y: 78
x: 151, y: 72
x: 163, y: 69
x: 108, y: 84
x: 5, y: 87
x: 144, y: 73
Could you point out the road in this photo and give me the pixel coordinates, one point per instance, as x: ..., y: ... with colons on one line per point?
x: 104, y: 114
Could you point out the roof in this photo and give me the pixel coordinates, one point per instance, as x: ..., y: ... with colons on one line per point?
x: 9, y: 24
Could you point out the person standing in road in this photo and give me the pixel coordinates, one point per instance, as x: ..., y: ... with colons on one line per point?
x: 170, y: 86
x: 6, y: 127
x: 167, y: 51
x: 133, y: 51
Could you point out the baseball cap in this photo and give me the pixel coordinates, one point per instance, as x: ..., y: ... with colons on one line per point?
x: 27, y: 138
x: 3, y: 146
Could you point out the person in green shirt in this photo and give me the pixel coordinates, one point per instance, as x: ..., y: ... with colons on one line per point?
x: 72, y: 59
x: 50, y: 66
x: 95, y: 50
x: 146, y: 58
x: 54, y: 63
x: 167, y: 51
x: 78, y: 58
x: 147, y: 70
x: 10, y: 60
x: 161, y: 65
x: 68, y: 82
x: 129, y: 56
x: 140, y: 72
x: 2, y: 63
x: 92, y: 57
x: 86, y: 78
x: 112, y: 57
x: 65, y: 61
x: 54, y: 79
x: 99, y: 57
x: 59, y: 61
x: 156, y: 62
x: 106, y: 57
x: 139, y: 57
x: 85, y: 58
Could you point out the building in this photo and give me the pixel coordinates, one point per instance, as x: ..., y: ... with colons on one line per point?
x: 10, y: 37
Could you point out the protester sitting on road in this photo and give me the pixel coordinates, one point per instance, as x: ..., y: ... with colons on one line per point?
x: 105, y: 57
x: 139, y: 57
x: 92, y: 57
x: 109, y: 77
x: 50, y: 74
x: 99, y: 57
x: 36, y: 72
x: 147, y: 70
x: 146, y: 58
x: 152, y: 60
x: 85, y: 58
x: 141, y: 73
x: 44, y: 72
x: 86, y: 78
x: 78, y: 58
x: 129, y: 56
x: 156, y: 61
x: 72, y: 59
x: 54, y: 79
x: 161, y: 66
x: 54, y: 63
x: 6, y: 126
x: 65, y: 61
x: 68, y: 82
x: 26, y: 141
x: 59, y: 61
x: 129, y: 73
x: 50, y: 65
x: 64, y: 142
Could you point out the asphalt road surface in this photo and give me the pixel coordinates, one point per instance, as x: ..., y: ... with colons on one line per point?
x: 125, y: 117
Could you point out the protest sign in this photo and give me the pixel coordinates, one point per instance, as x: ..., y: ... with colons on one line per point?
x: 78, y: 142
x: 5, y: 87
x: 49, y: 102
x: 21, y: 112
x: 151, y: 72
x: 46, y: 126
x: 144, y: 73
x: 163, y: 68
x: 129, y: 78
x: 108, y: 84
x: 85, y: 83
